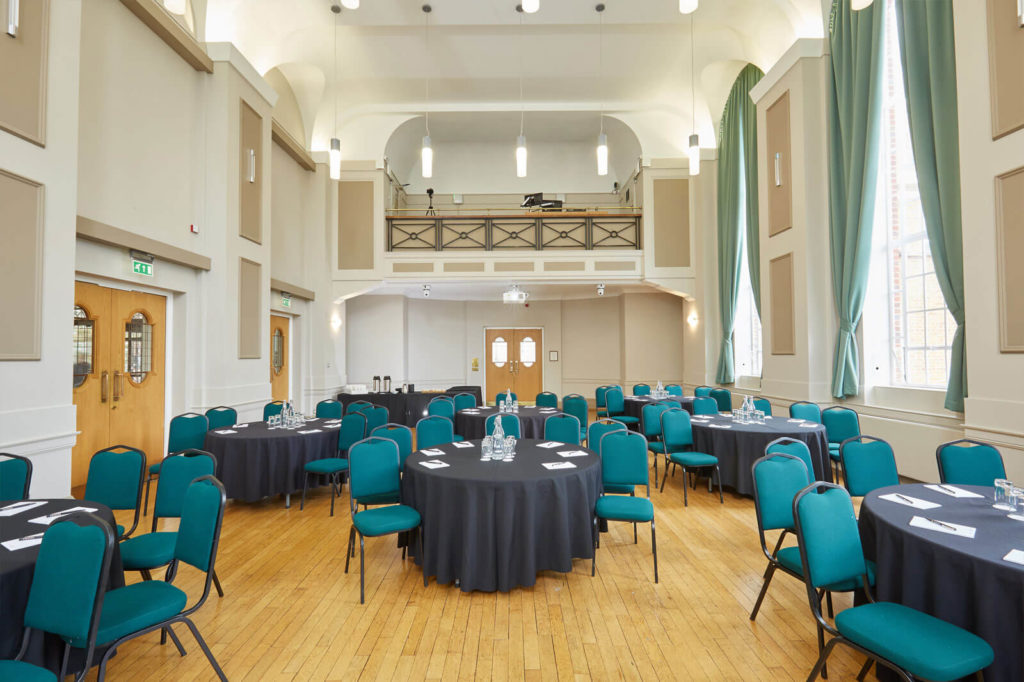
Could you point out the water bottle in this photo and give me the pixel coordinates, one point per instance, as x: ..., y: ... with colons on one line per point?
x: 498, y: 440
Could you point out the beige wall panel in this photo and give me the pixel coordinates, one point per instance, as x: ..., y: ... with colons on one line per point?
x: 615, y: 266
x: 463, y: 267
x: 672, y: 223
x: 779, y: 170
x: 23, y: 71
x: 513, y: 267
x: 571, y: 266
x: 355, y: 225
x: 288, y: 218
x: 591, y: 345
x: 1006, y: 57
x: 780, y: 280
x: 412, y: 267
x: 250, y: 170
x: 1010, y: 253
x: 652, y: 338
x: 250, y: 316
x: 21, y: 267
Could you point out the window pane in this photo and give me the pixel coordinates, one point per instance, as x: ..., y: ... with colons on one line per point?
x: 83, y: 347
x: 937, y: 370
x: 936, y: 327
x: 915, y: 293
x: 915, y: 330
x: 916, y: 373
x: 528, y: 352
x: 277, y: 351
x: 914, y: 264
x: 138, y: 347
x: 499, y: 352
x: 932, y: 293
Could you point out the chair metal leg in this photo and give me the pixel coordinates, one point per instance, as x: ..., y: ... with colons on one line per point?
x: 828, y: 599
x: 423, y: 558
x: 655, y: 466
x: 665, y: 478
x: 865, y: 669
x: 654, y: 550
x: 593, y: 559
x: 174, y: 638
x: 333, y: 478
x: 305, y: 484
x: 362, y: 570
x: 769, y: 573
x: 206, y: 649
x: 348, y: 549
x: 216, y: 583
x: 146, y: 575
x: 718, y: 474
x: 145, y: 500
x: 821, y: 648
x: 686, y: 474
x: 819, y: 666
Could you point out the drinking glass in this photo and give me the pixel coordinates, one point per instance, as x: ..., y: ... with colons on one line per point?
x: 1002, y: 494
x: 510, y: 448
x: 1016, y: 500
x: 759, y: 416
x: 485, y: 449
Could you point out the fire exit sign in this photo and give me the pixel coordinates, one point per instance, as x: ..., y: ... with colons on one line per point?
x: 141, y: 267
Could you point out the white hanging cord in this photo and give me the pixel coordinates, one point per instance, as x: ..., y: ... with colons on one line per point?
x: 522, y: 106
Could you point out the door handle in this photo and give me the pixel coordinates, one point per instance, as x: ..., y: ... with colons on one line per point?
x: 104, y: 386
x: 117, y: 385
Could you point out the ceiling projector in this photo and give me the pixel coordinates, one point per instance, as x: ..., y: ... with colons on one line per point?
x: 514, y: 295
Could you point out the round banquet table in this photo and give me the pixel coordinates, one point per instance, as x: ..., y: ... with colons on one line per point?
x: 634, y: 404
x: 255, y: 461
x: 16, y: 570
x: 961, y: 580
x: 738, y: 446
x: 470, y: 423
x: 494, y: 525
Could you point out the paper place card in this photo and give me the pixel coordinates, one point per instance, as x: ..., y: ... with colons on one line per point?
x: 56, y: 516
x: 951, y: 490
x: 1015, y: 517
x: 22, y: 543
x: 18, y: 507
x: 548, y: 409
x: 461, y: 444
x: 558, y: 465
x: 796, y: 421
x: 571, y: 453
x: 551, y: 444
x: 909, y: 501
x: 943, y: 527
x: 433, y: 451
x: 240, y: 426
x: 1014, y: 555
x: 720, y: 426
x: 809, y: 426
x: 434, y: 464
x: 469, y: 412
x: 308, y: 431
x: 332, y: 426
x: 225, y: 432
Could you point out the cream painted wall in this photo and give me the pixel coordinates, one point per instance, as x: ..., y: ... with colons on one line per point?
x: 437, y: 343
x: 652, y: 333
x: 591, y: 344
x: 290, y: 186
x: 377, y: 338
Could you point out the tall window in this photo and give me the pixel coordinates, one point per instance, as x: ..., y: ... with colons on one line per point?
x: 918, y: 334
x: 747, y: 332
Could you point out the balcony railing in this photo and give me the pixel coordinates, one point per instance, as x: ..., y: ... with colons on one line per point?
x: 537, y: 231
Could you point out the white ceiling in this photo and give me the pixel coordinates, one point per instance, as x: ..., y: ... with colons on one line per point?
x: 491, y: 291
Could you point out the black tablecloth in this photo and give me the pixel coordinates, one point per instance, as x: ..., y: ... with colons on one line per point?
x: 406, y: 408
x: 16, y: 569
x: 740, y: 445
x: 470, y: 424
x: 960, y: 580
x: 634, y: 404
x: 256, y: 462
x: 494, y: 525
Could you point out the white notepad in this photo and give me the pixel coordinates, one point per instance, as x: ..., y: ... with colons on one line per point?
x: 22, y: 543
x: 56, y: 516
x: 434, y: 464
x: 558, y: 465
x: 312, y: 431
x: 433, y: 451
x: 240, y: 426
x: 1014, y: 555
x: 720, y: 426
x: 551, y: 444
x: 909, y: 501
x: 225, y: 432
x: 796, y: 421
x: 19, y: 507
x: 332, y: 426
x: 462, y: 444
x: 951, y: 490
x: 948, y: 528
x: 809, y: 426
x: 572, y: 453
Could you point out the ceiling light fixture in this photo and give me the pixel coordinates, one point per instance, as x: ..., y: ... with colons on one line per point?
x: 521, y: 140
x: 687, y: 6
x: 531, y: 6
x: 600, y: 290
x: 427, y: 151
x: 693, y: 153
x: 175, y: 6
x: 350, y: 4
x: 857, y: 5
x: 514, y: 295
x: 334, y: 153
x: 602, y: 139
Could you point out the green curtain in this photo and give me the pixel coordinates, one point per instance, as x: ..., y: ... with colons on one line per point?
x: 854, y: 122
x: 737, y: 206
x: 929, y: 82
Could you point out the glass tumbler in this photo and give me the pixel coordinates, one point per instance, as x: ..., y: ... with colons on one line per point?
x: 485, y: 449
x: 1002, y: 494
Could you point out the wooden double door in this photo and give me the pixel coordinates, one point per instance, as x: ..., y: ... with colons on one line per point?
x: 118, y: 375
x: 514, y: 361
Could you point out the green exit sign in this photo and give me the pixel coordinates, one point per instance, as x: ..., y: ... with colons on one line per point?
x: 141, y: 267
x: 286, y: 301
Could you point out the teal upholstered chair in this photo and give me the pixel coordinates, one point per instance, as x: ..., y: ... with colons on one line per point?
x: 442, y: 407
x: 358, y: 406
x: 805, y: 410
x: 352, y: 430
x: 674, y: 389
x: 272, y: 408
x: 547, y: 399
x: 115, y: 480
x: 602, y: 410
x: 151, y: 605
x: 678, y: 435
x: 221, y: 417
x: 329, y: 409
x: 595, y: 433
x: 650, y: 426
x: 641, y: 389
x: 186, y: 432
x: 615, y: 403
x: 969, y: 462
x: 764, y: 405
x: 376, y: 416
x: 563, y: 428
x: 868, y: 463
x: 506, y: 397
x: 702, y: 392
x: 914, y: 644
x: 705, y: 405
x: 624, y: 463
x: 840, y: 423
x: 464, y: 401
x: 793, y: 448
x: 723, y: 397
x: 69, y: 582
x: 401, y: 435
x: 576, y: 405
x: 374, y: 472
x: 15, y: 476
x: 434, y: 431
x: 509, y: 424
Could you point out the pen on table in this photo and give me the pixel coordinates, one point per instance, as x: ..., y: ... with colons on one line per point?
x: 940, y: 523
x: 905, y: 498
x: 949, y: 490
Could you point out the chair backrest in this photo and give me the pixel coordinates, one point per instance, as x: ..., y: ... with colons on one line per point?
x: 614, y: 401
x: 353, y: 429
x: 641, y: 389
x: 805, y: 410
x: 793, y: 448
x: 777, y: 480
x: 464, y: 401
x: 600, y: 427
x: 176, y: 472
x: 509, y: 424
x: 15, y: 476
x: 401, y: 434
x: 764, y: 405
x: 272, y: 408
x: 373, y: 467
x: 547, y: 399
x: 840, y: 423
x: 826, y: 530
x: 187, y: 432
x: 376, y: 416
x: 115, y: 477
x: 441, y: 407
x: 502, y: 396
x: 576, y: 405
x: 202, y: 514
x: 723, y: 397
x: 868, y: 463
x: 434, y: 431
x: 969, y: 462
x: 221, y: 417
x: 599, y: 396
x: 650, y: 420
x: 624, y: 459
x: 702, y: 392
x: 564, y: 428
x: 329, y: 409
x: 676, y: 429
x: 705, y: 405
x: 674, y: 389
x: 70, y: 579
x: 358, y: 406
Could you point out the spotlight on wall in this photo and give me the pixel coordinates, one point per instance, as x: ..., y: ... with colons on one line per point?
x: 600, y: 290
x: 335, y: 322
x: 692, y: 319
x: 426, y: 291
x: 350, y: 4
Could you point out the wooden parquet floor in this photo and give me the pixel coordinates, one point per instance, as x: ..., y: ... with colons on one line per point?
x: 291, y: 613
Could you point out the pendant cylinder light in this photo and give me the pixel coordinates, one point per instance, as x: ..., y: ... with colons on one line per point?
x: 521, y: 156
x: 693, y: 154
x: 350, y: 4
x: 175, y: 6
x: 530, y: 6
x: 602, y: 154
x: 334, y: 158
x: 427, y: 157
x: 687, y: 6
x: 856, y: 5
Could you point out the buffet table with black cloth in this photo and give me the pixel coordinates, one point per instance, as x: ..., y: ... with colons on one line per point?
x: 255, y: 461
x: 634, y: 404
x: 406, y: 408
x: 16, y: 569
x: 737, y: 446
x: 470, y: 424
x: 494, y: 525
x: 961, y: 580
